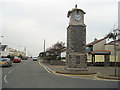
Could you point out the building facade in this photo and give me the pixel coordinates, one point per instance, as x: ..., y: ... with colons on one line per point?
x: 4, y: 50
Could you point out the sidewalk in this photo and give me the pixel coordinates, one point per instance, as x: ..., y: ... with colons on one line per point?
x: 102, y: 72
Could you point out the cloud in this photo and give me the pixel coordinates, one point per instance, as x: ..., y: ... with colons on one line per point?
x: 28, y: 23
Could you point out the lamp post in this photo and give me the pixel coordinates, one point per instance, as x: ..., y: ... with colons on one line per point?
x: 116, y: 31
x: 44, y: 50
x: 1, y: 46
x: 2, y: 39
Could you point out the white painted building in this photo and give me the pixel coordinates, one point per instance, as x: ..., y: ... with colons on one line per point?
x: 63, y: 54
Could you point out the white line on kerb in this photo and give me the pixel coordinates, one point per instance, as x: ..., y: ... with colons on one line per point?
x: 5, y: 78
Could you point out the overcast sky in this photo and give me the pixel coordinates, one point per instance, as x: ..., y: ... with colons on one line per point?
x: 29, y: 22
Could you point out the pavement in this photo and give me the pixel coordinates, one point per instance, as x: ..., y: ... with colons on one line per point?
x: 99, y: 73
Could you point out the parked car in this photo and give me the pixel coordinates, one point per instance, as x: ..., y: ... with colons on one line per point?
x: 5, y: 62
x: 35, y: 58
x: 16, y: 60
x: 24, y: 57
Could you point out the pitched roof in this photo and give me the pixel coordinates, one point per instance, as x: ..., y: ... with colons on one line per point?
x: 95, y: 41
x: 3, y: 47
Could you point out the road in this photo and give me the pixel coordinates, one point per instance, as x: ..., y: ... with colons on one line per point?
x: 29, y: 74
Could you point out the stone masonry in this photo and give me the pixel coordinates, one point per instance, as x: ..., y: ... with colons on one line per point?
x: 76, y: 58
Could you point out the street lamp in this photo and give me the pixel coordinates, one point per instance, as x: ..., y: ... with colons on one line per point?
x: 116, y: 32
x: 2, y: 38
x: 1, y: 46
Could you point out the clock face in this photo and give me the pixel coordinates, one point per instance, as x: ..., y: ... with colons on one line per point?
x: 78, y: 17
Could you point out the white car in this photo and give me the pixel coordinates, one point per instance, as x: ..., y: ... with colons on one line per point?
x: 5, y: 62
x: 35, y: 58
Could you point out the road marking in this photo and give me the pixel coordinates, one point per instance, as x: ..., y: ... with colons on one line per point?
x: 46, y: 68
x: 5, y: 78
x: 49, y: 69
x: 10, y: 71
x: 72, y: 76
x: 40, y: 63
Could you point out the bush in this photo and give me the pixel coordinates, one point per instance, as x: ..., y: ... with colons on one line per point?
x: 58, y: 58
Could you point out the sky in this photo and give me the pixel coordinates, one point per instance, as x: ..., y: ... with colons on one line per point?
x: 26, y: 23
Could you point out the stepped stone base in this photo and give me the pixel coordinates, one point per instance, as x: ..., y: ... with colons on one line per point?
x: 77, y: 69
x: 76, y: 72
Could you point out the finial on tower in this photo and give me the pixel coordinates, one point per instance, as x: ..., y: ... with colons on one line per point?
x: 76, y: 6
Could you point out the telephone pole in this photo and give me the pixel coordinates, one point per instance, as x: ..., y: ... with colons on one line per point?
x: 44, y: 45
x: 44, y: 50
x: 25, y: 50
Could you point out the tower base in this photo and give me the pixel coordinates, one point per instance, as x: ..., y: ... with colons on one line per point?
x: 77, y: 69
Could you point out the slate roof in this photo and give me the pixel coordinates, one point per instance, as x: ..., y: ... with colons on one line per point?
x: 112, y: 42
x: 3, y: 47
x: 96, y: 41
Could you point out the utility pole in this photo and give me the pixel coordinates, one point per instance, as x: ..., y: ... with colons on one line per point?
x: 44, y: 49
x: 116, y: 33
x: 2, y: 39
x: 25, y: 50
x: 115, y: 53
x: 119, y: 30
x: 44, y: 45
x: 1, y: 46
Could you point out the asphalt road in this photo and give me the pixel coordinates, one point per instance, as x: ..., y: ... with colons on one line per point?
x: 29, y: 74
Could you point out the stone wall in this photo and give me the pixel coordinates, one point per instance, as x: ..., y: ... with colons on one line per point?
x: 57, y: 62
x: 76, y: 42
x: 76, y: 39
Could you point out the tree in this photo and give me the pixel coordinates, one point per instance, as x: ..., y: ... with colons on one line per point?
x: 42, y: 54
x: 56, y: 49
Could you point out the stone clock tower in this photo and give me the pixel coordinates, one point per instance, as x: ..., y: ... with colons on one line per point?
x: 76, y: 41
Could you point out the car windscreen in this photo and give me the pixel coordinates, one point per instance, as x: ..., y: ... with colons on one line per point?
x: 35, y: 57
x: 3, y: 59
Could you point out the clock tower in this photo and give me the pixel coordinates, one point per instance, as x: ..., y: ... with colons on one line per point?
x: 76, y: 58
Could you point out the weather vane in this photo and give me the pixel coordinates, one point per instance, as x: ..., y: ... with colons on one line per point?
x: 76, y: 6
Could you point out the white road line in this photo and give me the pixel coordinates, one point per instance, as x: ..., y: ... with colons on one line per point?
x: 49, y: 69
x: 10, y: 71
x: 46, y: 69
x: 5, y: 78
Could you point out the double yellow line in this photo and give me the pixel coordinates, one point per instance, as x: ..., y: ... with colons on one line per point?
x: 40, y: 63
